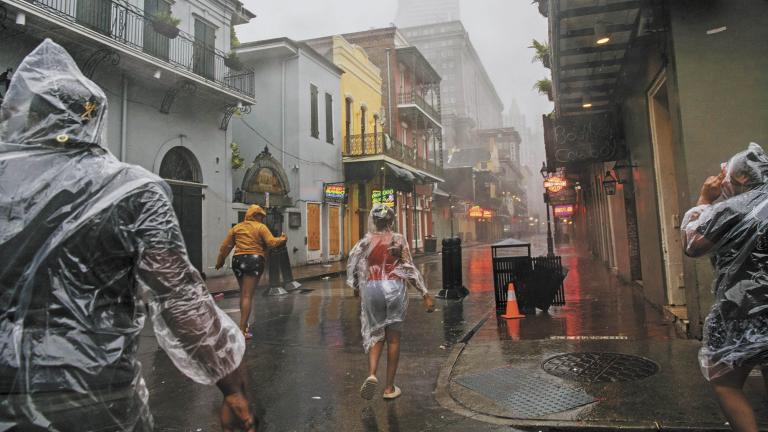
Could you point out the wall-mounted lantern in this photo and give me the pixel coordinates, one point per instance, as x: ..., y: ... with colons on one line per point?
x: 609, y: 183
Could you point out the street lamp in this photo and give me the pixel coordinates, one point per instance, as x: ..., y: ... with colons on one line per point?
x: 550, y: 242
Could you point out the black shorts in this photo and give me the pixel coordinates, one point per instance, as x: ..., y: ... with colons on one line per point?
x: 247, y: 265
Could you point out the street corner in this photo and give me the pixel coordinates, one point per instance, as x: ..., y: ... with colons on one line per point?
x: 582, y: 384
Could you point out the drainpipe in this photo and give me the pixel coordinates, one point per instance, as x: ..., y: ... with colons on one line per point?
x: 124, y: 120
x: 389, y: 93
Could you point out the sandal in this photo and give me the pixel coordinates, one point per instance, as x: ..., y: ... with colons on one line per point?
x: 248, y: 334
x: 369, y: 387
x: 394, y: 394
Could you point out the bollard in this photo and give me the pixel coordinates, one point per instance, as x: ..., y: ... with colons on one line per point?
x: 453, y: 287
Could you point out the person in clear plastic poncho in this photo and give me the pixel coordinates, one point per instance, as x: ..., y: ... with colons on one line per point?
x: 379, y: 266
x: 90, y: 246
x: 734, y: 231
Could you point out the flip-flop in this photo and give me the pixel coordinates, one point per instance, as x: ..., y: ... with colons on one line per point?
x: 248, y: 334
x: 369, y: 387
x: 394, y: 394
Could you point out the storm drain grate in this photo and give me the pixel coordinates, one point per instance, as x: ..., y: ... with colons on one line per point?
x: 599, y: 367
x: 523, y: 394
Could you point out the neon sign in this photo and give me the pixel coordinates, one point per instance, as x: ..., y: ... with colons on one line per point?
x: 386, y: 197
x: 563, y: 211
x: 476, y: 212
x: 555, y: 184
x: 335, y: 192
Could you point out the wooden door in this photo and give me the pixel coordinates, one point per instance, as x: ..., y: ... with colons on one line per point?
x: 188, y: 205
x: 313, y: 227
x: 334, y: 232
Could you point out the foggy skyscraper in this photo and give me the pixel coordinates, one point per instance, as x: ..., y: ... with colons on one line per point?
x: 419, y: 12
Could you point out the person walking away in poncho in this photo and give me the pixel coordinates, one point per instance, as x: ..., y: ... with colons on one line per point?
x: 251, y: 239
x: 379, y: 266
x: 734, y: 232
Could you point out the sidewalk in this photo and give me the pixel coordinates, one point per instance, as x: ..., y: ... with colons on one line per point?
x: 498, y: 375
x: 306, y: 273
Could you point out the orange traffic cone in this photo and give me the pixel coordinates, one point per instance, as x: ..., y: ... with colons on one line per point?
x: 512, y: 311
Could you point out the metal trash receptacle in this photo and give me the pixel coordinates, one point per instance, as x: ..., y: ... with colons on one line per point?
x: 430, y: 245
x: 453, y: 285
x: 512, y: 263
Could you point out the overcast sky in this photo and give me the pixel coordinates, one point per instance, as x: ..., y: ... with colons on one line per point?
x: 501, y: 31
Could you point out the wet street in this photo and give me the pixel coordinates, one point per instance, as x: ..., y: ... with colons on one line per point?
x: 306, y: 360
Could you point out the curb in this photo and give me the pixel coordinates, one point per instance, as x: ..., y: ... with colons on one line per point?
x: 447, y: 401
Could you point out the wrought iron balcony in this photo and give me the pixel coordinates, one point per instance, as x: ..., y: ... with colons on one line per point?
x: 414, y: 98
x: 130, y: 27
x: 381, y: 144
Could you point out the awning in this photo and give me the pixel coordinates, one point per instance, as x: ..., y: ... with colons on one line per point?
x: 402, y: 174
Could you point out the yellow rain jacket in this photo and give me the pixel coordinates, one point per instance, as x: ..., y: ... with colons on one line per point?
x: 249, y: 237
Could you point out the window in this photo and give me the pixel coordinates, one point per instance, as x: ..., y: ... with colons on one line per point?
x: 204, y: 49
x: 315, y: 129
x: 348, y: 122
x: 328, y: 118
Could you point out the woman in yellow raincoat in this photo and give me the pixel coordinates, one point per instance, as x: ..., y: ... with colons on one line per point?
x: 250, y: 239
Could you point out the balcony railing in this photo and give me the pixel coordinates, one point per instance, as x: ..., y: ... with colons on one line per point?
x: 414, y: 98
x: 381, y: 144
x: 129, y: 26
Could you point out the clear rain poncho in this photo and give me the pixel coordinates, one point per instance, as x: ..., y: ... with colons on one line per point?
x: 734, y: 232
x: 90, y: 246
x: 380, y: 265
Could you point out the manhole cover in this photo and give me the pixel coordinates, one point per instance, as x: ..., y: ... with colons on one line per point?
x: 597, y: 367
x: 523, y: 394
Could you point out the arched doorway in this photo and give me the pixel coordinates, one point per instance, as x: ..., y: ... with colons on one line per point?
x: 182, y: 172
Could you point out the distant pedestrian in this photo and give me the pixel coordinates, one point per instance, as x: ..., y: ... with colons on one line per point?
x: 251, y: 239
x: 90, y: 249
x: 735, y: 232
x: 379, y: 266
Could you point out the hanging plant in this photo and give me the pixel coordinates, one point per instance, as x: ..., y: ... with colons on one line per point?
x: 233, y: 62
x: 542, y: 53
x: 543, y: 7
x: 236, y: 160
x: 166, y: 24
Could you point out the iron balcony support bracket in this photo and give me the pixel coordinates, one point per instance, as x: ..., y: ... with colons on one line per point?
x: 170, y: 95
x: 97, y: 58
x: 231, y: 110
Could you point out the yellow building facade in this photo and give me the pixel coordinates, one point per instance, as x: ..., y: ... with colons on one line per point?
x: 361, y: 116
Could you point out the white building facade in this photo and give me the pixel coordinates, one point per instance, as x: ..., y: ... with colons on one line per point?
x: 297, y: 121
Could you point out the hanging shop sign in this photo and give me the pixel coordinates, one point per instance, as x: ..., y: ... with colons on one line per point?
x: 581, y: 139
x: 564, y: 196
x: 476, y: 212
x: 386, y: 197
x: 563, y: 211
x: 335, y: 192
x: 555, y: 184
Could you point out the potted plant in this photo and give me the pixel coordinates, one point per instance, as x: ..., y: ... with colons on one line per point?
x: 166, y: 24
x: 542, y: 53
x: 544, y: 86
x: 232, y: 61
x: 236, y: 160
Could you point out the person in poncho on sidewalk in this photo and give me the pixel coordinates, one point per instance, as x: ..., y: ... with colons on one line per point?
x: 734, y: 231
x: 380, y: 266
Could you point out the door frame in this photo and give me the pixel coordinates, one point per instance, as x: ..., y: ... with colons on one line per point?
x: 674, y: 289
x: 341, y: 231
x: 314, y: 256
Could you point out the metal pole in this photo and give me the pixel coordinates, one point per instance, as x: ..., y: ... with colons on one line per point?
x: 550, y: 245
x: 450, y: 212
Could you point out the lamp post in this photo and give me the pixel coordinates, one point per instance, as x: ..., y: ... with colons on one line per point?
x: 450, y: 211
x: 550, y: 243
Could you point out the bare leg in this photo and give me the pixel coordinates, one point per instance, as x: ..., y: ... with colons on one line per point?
x: 247, y: 286
x: 733, y: 401
x: 393, y: 358
x: 373, y: 357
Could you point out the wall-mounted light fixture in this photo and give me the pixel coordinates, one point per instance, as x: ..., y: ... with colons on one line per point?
x: 609, y: 183
x: 158, y: 73
x: 602, y: 36
x: 21, y: 18
x: 586, y: 101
